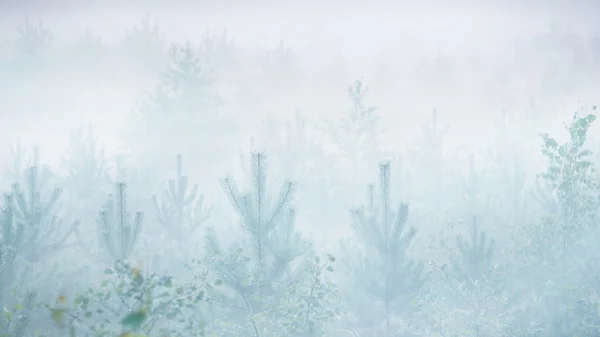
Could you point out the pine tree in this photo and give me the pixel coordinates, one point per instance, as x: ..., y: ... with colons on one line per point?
x: 184, y: 105
x: 117, y: 233
x: 431, y: 141
x: 30, y: 231
x: 279, y: 61
x: 14, y: 237
x: 257, y: 271
x: 473, y: 184
x: 354, y: 141
x: 513, y: 178
x: 220, y: 48
x: 427, y: 157
x: 384, y: 271
x: 475, y: 255
x: 355, y: 135
x: 14, y: 169
x: 33, y: 40
x: 181, y: 213
x: 144, y: 44
x: 34, y: 204
x: 86, y: 169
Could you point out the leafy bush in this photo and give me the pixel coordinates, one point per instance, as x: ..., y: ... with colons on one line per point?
x: 131, y: 302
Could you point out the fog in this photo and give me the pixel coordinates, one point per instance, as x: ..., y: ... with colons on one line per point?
x: 299, y: 168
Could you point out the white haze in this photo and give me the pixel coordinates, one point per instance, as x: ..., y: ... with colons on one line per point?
x: 394, y: 48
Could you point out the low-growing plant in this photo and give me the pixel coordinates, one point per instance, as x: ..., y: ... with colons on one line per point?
x: 130, y: 302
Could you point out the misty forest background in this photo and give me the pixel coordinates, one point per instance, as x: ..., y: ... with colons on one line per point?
x: 367, y: 180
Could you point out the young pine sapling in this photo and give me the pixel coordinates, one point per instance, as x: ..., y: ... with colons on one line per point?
x: 513, y: 188
x: 181, y: 213
x: 255, y: 282
x: 14, y: 170
x: 355, y: 135
x: 384, y: 271
x: 476, y: 255
x: 118, y: 232
x: 86, y: 166
x: 33, y: 210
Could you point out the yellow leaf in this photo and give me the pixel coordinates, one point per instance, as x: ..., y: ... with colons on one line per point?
x: 58, y: 315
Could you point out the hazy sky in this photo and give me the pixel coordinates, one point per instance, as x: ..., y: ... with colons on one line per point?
x: 358, y: 29
x: 354, y: 24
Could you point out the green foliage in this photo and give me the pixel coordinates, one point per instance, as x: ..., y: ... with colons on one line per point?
x: 129, y: 302
x: 384, y: 271
x: 572, y: 176
x: 556, y: 251
x: 14, y: 321
x: 450, y: 307
x: 181, y: 213
x: 310, y: 306
x: 135, y: 319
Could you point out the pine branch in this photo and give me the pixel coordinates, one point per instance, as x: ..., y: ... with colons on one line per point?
x: 14, y: 233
